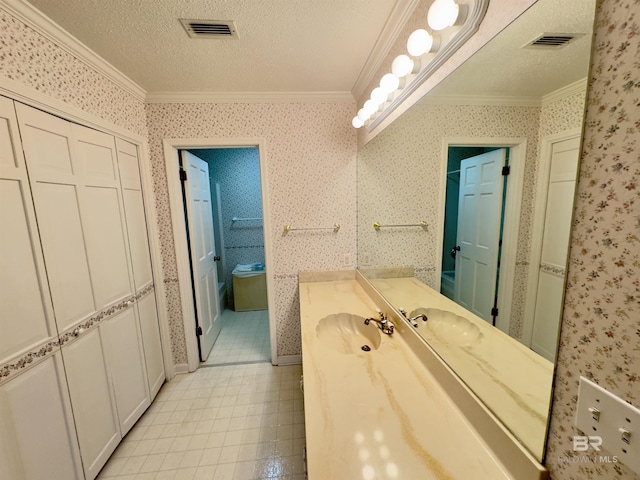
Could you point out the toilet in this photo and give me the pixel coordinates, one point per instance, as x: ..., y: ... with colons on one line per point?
x: 249, y: 287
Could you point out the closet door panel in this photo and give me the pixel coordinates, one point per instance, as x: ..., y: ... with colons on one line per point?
x: 91, y: 397
x: 64, y: 249
x: 26, y: 314
x: 106, y: 244
x: 102, y: 215
x: 123, y: 348
x: 151, y: 341
x: 54, y: 179
x: 138, y: 240
x: 23, y: 320
x: 37, y: 438
x: 134, y: 209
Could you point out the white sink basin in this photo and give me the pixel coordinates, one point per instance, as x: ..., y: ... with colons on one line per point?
x: 346, y: 333
x: 448, y: 327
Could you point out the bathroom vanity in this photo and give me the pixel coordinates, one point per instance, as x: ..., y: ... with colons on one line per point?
x: 393, y: 409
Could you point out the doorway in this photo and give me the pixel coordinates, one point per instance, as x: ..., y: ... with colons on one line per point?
x: 183, y: 263
x: 473, y: 223
x: 509, y: 207
x: 237, y: 230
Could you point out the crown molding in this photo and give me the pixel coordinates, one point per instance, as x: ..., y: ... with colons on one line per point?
x: 495, y: 100
x: 400, y: 14
x: 579, y: 86
x: 249, y: 97
x: 46, y: 27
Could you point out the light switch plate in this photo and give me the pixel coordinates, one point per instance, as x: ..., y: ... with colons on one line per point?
x: 604, y: 417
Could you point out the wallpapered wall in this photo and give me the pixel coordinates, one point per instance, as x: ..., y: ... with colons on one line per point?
x: 600, y: 337
x: 29, y: 58
x: 237, y: 172
x: 601, y: 329
x: 311, y: 160
x: 400, y: 174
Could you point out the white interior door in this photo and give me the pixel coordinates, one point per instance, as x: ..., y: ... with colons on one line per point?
x: 555, y: 243
x: 479, y: 212
x: 203, y: 252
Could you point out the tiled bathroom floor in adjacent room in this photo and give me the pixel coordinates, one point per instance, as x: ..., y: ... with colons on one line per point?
x: 236, y: 422
x: 244, y: 338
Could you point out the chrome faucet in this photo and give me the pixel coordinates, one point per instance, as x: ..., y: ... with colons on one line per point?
x: 413, y: 319
x: 383, y: 324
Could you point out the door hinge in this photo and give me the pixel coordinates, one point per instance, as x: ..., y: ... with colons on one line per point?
x: 183, y: 175
x: 198, y: 331
x: 494, y: 312
x: 506, y: 170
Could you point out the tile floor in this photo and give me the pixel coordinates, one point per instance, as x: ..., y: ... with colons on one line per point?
x: 244, y: 338
x: 235, y: 422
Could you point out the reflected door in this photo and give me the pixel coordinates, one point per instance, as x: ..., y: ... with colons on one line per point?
x: 479, y: 212
x: 203, y: 256
x: 555, y: 243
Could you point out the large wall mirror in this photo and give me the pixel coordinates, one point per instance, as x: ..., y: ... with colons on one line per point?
x: 471, y: 193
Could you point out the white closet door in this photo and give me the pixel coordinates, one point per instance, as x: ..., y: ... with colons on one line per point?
x: 37, y: 438
x: 102, y: 215
x: 134, y: 212
x: 123, y: 348
x: 26, y: 314
x: 93, y: 404
x: 53, y: 174
x: 152, y: 344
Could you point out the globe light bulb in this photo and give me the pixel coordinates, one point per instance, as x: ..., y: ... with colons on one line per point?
x: 362, y: 115
x: 379, y: 96
x: 443, y: 14
x: 419, y: 43
x: 402, y: 66
x: 356, y: 122
x: 389, y: 83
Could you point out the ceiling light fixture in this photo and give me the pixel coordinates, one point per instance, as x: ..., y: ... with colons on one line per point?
x: 408, y: 73
x: 445, y: 13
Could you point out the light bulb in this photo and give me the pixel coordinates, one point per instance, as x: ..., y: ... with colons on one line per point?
x: 402, y: 66
x: 443, y: 14
x: 379, y: 96
x: 370, y: 107
x: 356, y: 122
x: 419, y: 43
x: 362, y: 115
x: 389, y: 83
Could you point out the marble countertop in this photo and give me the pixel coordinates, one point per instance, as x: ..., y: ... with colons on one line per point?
x: 379, y: 414
x: 512, y: 380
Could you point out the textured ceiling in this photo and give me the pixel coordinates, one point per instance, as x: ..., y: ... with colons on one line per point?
x: 502, y: 68
x: 283, y: 45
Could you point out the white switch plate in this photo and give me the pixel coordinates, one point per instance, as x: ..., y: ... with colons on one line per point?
x: 615, y: 414
x: 347, y: 260
x: 366, y: 259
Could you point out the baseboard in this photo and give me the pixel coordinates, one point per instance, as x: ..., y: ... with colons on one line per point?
x: 289, y: 360
x: 181, y: 368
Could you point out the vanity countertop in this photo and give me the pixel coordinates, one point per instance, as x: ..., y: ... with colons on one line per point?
x: 379, y: 414
x: 512, y: 380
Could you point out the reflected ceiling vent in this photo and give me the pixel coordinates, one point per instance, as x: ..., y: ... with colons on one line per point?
x: 214, y: 29
x: 552, y: 40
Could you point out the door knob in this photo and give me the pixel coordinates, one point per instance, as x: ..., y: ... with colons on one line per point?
x: 216, y: 258
x: 455, y: 250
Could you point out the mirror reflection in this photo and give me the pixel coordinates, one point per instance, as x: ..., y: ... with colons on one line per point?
x: 488, y: 159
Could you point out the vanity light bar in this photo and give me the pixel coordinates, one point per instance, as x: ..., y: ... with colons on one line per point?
x: 409, y: 71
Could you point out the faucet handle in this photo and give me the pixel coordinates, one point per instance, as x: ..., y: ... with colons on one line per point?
x: 382, y: 315
x: 403, y: 312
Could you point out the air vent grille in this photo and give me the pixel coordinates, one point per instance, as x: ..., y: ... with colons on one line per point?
x: 214, y: 29
x: 552, y: 40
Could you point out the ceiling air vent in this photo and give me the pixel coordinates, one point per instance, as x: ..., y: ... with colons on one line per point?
x: 214, y: 29
x: 552, y: 40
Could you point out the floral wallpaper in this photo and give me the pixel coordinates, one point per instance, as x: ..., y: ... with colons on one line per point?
x: 600, y: 337
x: 29, y: 58
x: 311, y: 157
